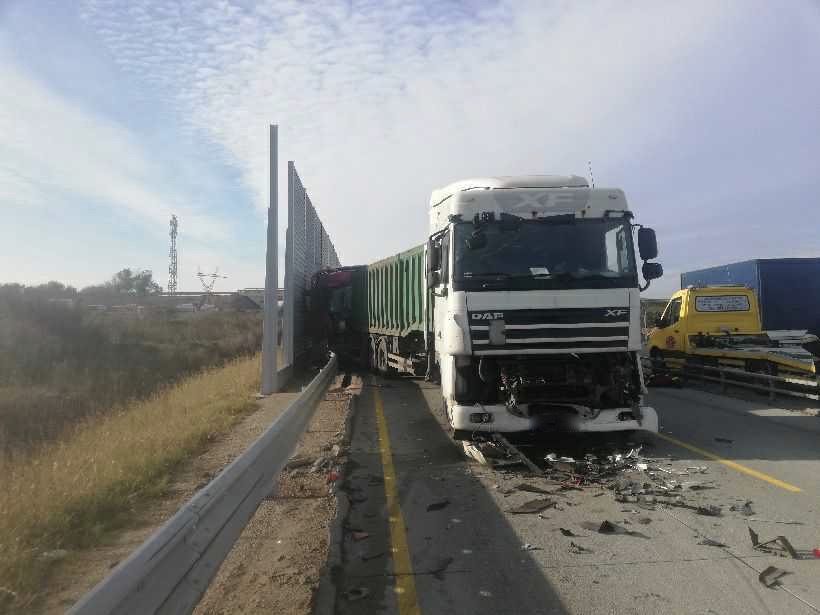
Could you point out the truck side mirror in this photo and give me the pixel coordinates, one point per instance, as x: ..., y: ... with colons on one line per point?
x: 647, y: 244
x: 652, y: 271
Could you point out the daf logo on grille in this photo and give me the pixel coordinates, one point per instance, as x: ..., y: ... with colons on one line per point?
x: 616, y: 312
x: 488, y: 315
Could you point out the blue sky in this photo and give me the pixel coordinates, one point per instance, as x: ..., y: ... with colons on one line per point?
x: 115, y: 114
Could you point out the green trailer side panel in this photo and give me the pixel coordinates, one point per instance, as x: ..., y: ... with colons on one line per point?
x: 396, y: 293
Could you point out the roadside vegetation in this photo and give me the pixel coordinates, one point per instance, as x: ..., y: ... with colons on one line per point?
x: 61, y: 361
x: 69, y: 494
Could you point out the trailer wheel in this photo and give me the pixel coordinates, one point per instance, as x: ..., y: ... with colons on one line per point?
x: 381, y: 361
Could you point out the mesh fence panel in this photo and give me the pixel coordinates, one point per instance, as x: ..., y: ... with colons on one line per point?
x: 309, y: 249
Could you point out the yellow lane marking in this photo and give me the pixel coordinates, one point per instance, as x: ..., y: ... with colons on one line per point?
x: 402, y: 566
x: 731, y: 464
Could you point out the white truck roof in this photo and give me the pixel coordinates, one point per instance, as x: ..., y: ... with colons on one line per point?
x: 507, y: 181
x: 529, y: 196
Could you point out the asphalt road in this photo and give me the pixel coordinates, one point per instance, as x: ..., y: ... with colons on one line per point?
x: 428, y: 531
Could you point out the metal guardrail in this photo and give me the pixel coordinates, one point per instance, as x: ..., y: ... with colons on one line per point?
x: 729, y: 376
x: 171, y: 570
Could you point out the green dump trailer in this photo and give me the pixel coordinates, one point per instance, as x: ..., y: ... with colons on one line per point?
x: 396, y: 312
x: 373, y: 315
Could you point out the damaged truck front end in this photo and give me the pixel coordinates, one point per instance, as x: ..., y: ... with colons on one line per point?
x: 549, y: 393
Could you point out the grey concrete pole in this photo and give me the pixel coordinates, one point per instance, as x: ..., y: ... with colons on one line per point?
x: 269, y: 328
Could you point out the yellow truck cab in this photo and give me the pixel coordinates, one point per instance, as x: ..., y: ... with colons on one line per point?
x: 721, y: 325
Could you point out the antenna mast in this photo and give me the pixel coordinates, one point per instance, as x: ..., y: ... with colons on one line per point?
x: 172, y: 255
x: 591, y: 178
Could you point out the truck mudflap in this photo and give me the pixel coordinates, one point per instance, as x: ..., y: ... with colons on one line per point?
x: 498, y: 419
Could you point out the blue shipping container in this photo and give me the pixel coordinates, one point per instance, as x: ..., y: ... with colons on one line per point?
x: 788, y: 289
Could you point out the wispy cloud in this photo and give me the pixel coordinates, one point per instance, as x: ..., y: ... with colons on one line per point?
x: 381, y: 101
x: 54, y: 153
x: 696, y: 107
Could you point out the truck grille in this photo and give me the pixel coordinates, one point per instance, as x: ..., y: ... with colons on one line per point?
x: 544, y: 331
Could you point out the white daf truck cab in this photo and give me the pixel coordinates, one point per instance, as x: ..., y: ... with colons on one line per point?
x: 535, y: 299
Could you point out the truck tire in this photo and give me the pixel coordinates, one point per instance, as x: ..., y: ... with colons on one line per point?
x: 658, y: 362
x: 382, y: 365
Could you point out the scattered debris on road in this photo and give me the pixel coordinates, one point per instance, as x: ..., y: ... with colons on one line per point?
x: 532, y: 489
x: 745, y: 510
x: 776, y: 546
x: 533, y: 506
x: 781, y: 521
x: 357, y: 593
x: 529, y: 547
x: 724, y: 440
x: 438, y: 505
x: 607, y: 527
x: 569, y: 533
x: 360, y: 535
x: 708, y: 542
x: 578, y: 549
x: 771, y: 576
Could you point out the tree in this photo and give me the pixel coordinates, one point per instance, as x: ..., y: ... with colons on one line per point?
x: 139, y: 283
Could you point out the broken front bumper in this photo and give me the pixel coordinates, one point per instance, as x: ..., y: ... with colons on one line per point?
x: 498, y: 419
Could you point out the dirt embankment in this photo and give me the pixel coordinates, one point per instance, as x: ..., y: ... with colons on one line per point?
x: 276, y: 563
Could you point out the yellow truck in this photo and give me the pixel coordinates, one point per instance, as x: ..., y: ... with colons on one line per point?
x: 721, y: 326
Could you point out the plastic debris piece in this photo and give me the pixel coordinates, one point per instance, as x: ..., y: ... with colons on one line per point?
x: 815, y: 552
x: 747, y: 509
x: 643, y: 467
x: 567, y: 532
x: 438, y: 505
x: 698, y: 469
x: 771, y: 576
x: 711, y: 543
x: 532, y: 507
x: 360, y: 535
x: 332, y: 476
x: 529, y: 547
x: 357, y: 593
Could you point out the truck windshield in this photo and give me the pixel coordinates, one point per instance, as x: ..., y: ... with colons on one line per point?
x: 563, y: 252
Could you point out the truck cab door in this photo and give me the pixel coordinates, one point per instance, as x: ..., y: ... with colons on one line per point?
x: 440, y: 290
x: 669, y: 336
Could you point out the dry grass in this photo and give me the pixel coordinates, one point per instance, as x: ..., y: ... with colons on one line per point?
x: 69, y: 494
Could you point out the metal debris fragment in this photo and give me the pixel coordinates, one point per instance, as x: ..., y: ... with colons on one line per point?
x: 771, y: 576
x: 711, y: 543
